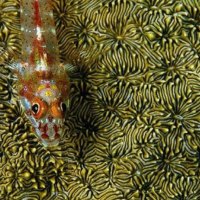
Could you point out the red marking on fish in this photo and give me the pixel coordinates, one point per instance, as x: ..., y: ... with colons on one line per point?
x: 56, y: 129
x: 45, y: 136
x: 37, y: 17
x: 45, y: 128
x: 50, y: 118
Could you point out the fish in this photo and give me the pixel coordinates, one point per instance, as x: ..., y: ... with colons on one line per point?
x: 43, y: 83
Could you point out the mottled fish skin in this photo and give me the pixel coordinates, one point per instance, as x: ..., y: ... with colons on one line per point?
x: 43, y: 83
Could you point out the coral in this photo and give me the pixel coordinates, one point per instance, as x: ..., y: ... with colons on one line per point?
x: 132, y: 130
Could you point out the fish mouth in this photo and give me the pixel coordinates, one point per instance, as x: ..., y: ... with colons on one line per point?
x: 50, y: 130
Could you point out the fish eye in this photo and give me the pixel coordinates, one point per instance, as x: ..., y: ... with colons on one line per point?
x: 38, y: 107
x: 63, y: 107
x: 35, y: 108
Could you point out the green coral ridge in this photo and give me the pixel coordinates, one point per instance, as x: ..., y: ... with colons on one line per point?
x: 133, y: 128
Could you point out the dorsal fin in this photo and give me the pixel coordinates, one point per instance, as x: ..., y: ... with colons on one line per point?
x: 37, y: 17
x: 39, y: 42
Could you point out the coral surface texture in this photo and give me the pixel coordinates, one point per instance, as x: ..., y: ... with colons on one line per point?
x: 132, y: 131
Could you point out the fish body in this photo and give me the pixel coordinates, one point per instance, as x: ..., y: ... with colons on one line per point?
x: 43, y: 83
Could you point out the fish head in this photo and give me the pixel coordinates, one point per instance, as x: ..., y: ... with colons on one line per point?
x: 46, y: 111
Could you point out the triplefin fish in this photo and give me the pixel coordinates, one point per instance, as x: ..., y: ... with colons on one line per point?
x: 43, y: 82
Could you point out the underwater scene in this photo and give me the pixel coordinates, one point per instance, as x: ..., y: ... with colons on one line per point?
x: 99, y: 99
